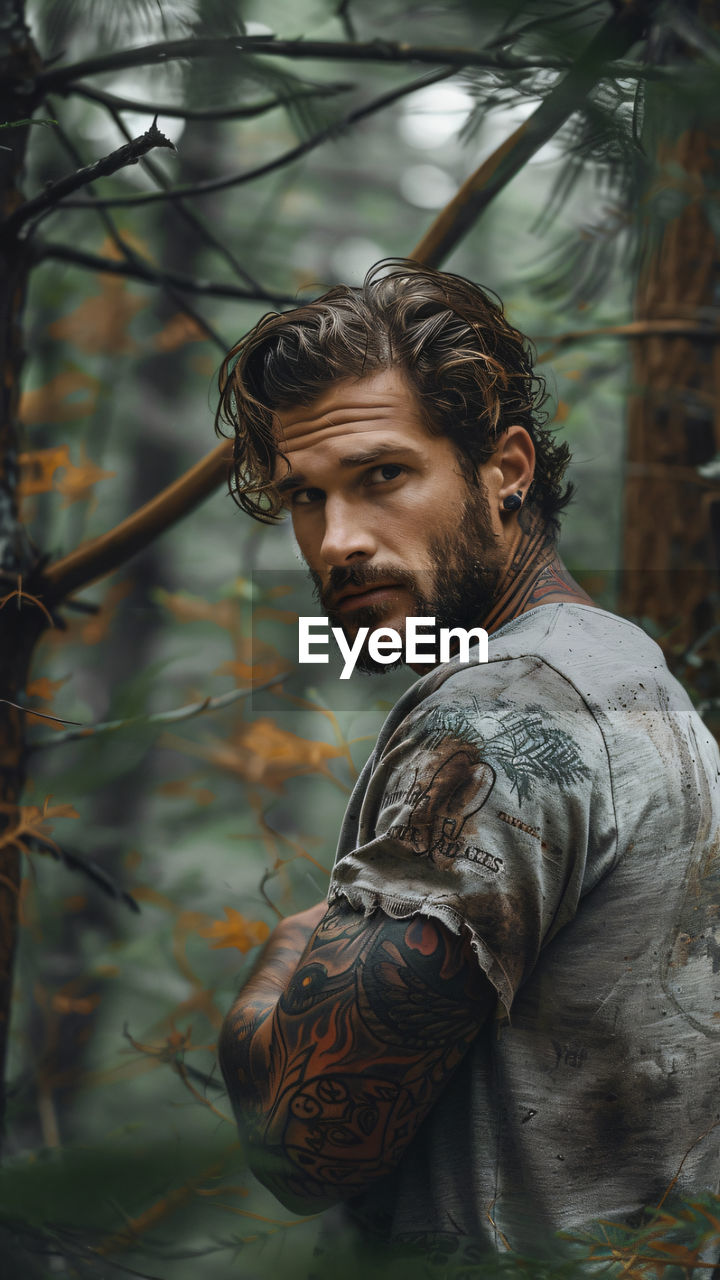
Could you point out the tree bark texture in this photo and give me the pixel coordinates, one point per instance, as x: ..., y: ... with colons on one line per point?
x: 21, y: 622
x: 671, y: 511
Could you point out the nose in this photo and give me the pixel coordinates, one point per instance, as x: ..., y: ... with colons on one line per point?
x: 346, y: 536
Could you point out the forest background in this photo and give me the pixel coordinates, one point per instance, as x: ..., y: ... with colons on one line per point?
x: 145, y: 858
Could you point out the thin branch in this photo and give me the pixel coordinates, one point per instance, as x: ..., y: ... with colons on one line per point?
x: 337, y: 50
x: 309, y: 144
x: 137, y: 270
x: 617, y: 34
x: 248, y: 112
x: 100, y: 556
x: 635, y: 329
x: 54, y: 192
x: 161, y: 717
x: 132, y: 258
x: 187, y: 215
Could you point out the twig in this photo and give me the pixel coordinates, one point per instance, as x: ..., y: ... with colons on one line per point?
x: 137, y: 270
x: 132, y: 257
x: 186, y: 214
x: 295, y: 153
x: 100, y: 556
x: 337, y: 50
x: 616, y: 35
x: 161, y: 717
x: 54, y: 192
x: 249, y: 112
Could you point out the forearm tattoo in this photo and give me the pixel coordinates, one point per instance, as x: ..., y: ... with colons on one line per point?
x: 331, y: 1081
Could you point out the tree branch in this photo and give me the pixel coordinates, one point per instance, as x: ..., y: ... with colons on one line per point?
x: 54, y: 192
x: 102, y: 555
x: 128, y: 252
x: 616, y: 35
x: 187, y: 215
x: 188, y: 712
x: 248, y: 112
x: 135, y: 270
x: 295, y: 153
x: 635, y: 329
x: 337, y: 50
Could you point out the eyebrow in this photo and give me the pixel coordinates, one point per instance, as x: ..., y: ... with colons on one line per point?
x: 298, y: 481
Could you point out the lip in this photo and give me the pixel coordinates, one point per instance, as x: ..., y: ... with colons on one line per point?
x: 360, y: 597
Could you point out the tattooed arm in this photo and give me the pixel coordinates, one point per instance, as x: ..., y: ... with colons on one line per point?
x: 340, y: 1043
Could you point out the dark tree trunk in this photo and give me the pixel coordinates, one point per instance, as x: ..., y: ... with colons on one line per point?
x: 671, y: 510
x: 19, y: 626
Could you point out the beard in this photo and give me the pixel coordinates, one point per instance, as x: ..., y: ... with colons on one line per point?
x: 458, y: 588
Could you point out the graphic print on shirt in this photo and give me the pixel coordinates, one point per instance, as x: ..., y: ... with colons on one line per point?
x: 456, y: 767
x: 518, y: 740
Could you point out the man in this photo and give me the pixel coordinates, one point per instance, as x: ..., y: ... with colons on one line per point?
x: 506, y: 1020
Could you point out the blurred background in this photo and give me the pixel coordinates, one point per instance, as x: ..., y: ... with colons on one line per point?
x: 182, y: 839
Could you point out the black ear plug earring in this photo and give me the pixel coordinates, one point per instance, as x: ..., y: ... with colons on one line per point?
x: 513, y: 502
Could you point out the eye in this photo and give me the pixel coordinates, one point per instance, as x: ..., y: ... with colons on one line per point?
x: 303, y: 497
x: 385, y: 473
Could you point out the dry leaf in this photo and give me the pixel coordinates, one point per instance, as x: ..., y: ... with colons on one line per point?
x: 179, y: 330
x: 37, y: 469
x: 261, y: 752
x: 52, y: 402
x: 236, y: 931
x: 100, y: 325
x: 77, y: 481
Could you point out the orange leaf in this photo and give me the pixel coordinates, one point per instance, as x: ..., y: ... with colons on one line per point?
x: 261, y: 752
x: 236, y: 931
x: 179, y: 330
x: 44, y: 688
x: 52, y: 402
x: 79, y: 480
x: 97, y: 627
x: 99, y: 325
x: 38, y: 468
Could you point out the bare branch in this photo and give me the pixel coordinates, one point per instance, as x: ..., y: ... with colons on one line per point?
x: 386, y: 51
x: 136, y: 270
x: 186, y: 214
x: 295, y: 153
x: 248, y: 112
x: 635, y: 329
x: 128, y: 252
x: 188, y: 712
x: 616, y: 35
x: 54, y: 192
x: 100, y: 556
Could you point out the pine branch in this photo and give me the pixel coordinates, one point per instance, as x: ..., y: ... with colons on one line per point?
x: 614, y: 38
x: 248, y: 112
x: 386, y: 51
x: 270, y: 166
x: 54, y: 192
x: 136, y: 270
x: 100, y: 556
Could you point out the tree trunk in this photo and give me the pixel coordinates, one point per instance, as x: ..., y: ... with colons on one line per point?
x: 671, y: 537
x: 21, y: 622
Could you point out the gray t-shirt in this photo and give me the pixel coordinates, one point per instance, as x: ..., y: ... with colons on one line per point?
x: 560, y: 804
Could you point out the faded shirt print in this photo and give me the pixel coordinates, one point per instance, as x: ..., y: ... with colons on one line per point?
x: 560, y: 804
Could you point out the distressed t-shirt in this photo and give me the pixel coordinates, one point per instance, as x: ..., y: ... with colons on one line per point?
x: 560, y: 804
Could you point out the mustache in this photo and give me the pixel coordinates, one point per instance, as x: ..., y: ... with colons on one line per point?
x: 359, y: 576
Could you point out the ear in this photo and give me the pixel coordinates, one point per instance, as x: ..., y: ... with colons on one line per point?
x: 515, y: 459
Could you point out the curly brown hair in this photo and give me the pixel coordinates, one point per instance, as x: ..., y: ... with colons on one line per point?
x: 471, y: 371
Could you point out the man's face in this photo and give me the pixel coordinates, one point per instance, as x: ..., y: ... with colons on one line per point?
x: 382, y: 513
